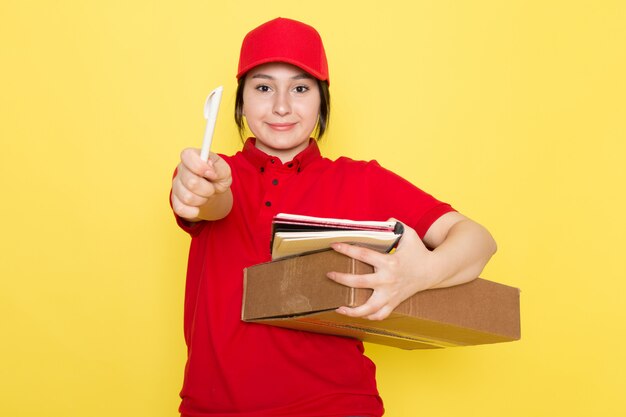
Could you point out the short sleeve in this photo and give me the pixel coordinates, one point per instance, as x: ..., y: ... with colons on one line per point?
x: 404, y: 200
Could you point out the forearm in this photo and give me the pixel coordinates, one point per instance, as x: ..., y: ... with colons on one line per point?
x: 462, y: 255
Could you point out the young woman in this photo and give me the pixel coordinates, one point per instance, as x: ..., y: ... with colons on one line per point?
x: 227, y: 205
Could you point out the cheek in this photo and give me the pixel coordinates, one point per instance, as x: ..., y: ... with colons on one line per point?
x: 312, y: 112
x: 250, y: 111
x: 249, y: 104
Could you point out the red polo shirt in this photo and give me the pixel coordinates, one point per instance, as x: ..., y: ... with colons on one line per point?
x: 254, y: 370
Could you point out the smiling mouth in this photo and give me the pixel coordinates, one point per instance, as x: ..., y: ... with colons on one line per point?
x: 281, y: 126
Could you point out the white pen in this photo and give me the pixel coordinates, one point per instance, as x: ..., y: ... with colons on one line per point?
x: 211, y: 106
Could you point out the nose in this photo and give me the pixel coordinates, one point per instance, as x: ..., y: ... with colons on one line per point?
x: 282, y: 103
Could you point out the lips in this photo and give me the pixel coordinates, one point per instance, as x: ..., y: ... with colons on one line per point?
x: 281, y: 126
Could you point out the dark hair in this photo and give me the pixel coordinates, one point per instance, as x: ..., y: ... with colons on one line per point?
x: 322, y: 121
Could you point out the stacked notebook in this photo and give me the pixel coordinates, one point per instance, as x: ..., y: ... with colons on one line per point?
x: 296, y: 234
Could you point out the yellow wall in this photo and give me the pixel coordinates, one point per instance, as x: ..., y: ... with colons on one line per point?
x: 513, y: 111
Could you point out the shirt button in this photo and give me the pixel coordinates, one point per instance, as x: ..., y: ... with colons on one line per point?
x: 290, y: 165
x: 275, y: 182
x: 272, y: 161
x: 268, y: 203
x: 262, y: 169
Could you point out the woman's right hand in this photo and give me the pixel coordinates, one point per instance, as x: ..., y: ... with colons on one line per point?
x: 201, y: 190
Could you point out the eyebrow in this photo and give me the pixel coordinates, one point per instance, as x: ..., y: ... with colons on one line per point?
x: 300, y: 76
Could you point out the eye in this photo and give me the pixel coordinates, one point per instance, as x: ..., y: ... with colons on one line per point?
x: 262, y: 88
x: 301, y: 89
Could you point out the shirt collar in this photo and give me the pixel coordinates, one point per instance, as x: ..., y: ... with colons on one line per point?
x: 259, y: 159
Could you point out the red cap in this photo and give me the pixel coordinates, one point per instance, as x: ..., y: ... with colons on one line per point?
x: 284, y: 40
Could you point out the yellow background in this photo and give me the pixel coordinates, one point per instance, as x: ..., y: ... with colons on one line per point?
x: 514, y: 111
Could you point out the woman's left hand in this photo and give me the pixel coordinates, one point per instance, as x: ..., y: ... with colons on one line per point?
x: 396, y: 276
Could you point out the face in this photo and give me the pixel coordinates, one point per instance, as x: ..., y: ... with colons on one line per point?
x: 281, y: 104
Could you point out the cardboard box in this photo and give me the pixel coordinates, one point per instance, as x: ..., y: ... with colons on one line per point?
x: 295, y: 293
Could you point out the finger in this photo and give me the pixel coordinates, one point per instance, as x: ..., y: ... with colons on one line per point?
x: 374, y: 309
x: 219, y: 166
x: 353, y: 280
x: 213, y: 158
x: 196, y: 184
x: 370, y: 308
x: 409, y: 235
x: 184, y: 210
x: 381, y: 314
x: 211, y: 173
x: 190, y: 158
x: 218, y: 184
x: 360, y: 253
x: 190, y: 199
x: 186, y: 196
x: 223, y: 185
